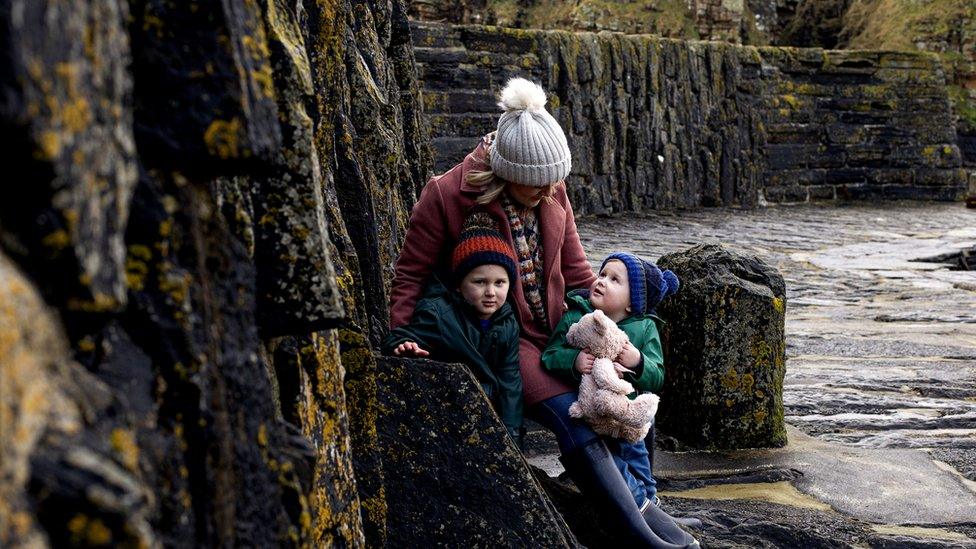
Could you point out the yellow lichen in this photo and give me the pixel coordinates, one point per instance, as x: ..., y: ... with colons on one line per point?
x: 123, y: 442
x: 86, y: 344
x: 99, y: 303
x: 88, y: 531
x: 50, y: 145
x: 57, y: 240
x: 222, y: 138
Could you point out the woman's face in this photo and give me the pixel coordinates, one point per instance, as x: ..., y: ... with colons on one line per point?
x: 529, y: 196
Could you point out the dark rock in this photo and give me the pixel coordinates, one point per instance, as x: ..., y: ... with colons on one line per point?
x: 742, y: 524
x: 452, y: 475
x: 297, y: 291
x: 211, y: 64
x: 66, y: 130
x: 724, y: 351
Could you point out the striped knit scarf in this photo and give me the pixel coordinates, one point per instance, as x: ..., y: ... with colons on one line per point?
x: 528, y: 248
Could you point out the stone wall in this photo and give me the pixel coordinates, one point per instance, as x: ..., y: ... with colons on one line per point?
x: 211, y: 199
x: 658, y: 123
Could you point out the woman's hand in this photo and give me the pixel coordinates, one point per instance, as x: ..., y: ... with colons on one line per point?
x: 409, y: 348
x: 584, y: 362
x: 630, y: 357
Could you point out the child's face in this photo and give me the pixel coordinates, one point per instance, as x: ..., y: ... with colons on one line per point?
x: 610, y: 292
x: 485, y: 288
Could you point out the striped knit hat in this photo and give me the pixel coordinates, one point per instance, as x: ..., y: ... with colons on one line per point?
x: 530, y: 147
x: 481, y: 243
x: 648, y: 284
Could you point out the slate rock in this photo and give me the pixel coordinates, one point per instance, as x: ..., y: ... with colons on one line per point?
x: 453, y: 476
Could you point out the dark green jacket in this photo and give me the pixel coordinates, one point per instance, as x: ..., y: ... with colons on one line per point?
x: 447, y: 327
x: 559, y: 356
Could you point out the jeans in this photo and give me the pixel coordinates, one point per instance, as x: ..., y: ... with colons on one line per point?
x: 632, y: 459
x: 635, y: 466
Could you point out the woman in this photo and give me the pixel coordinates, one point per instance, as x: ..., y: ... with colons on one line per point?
x: 516, y: 174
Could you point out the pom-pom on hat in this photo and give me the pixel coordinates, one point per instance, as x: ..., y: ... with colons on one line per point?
x: 481, y: 243
x: 530, y: 147
x: 649, y: 285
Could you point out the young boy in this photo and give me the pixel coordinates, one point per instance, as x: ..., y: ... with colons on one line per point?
x: 627, y: 290
x: 473, y: 324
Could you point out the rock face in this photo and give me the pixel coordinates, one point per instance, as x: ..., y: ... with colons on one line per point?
x: 453, y: 476
x: 725, y: 348
x: 208, y: 193
x: 656, y: 123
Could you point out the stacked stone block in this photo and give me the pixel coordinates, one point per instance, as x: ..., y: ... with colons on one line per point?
x: 658, y: 123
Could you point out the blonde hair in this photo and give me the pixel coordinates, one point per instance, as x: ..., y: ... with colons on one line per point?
x: 492, y: 186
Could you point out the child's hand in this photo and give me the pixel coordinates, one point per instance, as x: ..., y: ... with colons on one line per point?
x: 630, y: 357
x: 584, y: 362
x: 409, y: 348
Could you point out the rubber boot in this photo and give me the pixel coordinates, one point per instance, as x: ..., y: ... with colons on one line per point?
x: 690, y: 522
x: 593, y: 470
x: 664, y: 525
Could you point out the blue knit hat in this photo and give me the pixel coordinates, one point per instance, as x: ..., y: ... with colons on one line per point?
x: 648, y: 284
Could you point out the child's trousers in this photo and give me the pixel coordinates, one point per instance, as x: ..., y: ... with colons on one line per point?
x: 632, y: 459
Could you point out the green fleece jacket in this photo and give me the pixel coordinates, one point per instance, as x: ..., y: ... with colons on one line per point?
x: 447, y: 327
x: 559, y: 357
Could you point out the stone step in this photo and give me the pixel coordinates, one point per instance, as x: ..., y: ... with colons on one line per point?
x: 498, y: 40
x: 424, y: 34
x: 456, y: 102
x: 461, y: 125
x: 460, y: 76
x: 448, y: 151
x: 520, y: 64
x: 447, y: 56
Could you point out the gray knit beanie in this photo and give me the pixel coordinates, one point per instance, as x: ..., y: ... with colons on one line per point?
x: 529, y: 147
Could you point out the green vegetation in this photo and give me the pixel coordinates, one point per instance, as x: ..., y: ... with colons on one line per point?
x: 946, y: 27
x: 669, y: 18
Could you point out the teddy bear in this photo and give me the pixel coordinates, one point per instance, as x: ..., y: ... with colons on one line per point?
x: 602, y: 400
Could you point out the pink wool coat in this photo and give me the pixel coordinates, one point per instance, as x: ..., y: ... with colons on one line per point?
x: 435, y: 223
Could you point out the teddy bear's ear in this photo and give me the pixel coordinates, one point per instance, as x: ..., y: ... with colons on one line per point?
x: 598, y: 323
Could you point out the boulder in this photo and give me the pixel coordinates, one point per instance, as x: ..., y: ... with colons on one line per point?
x: 453, y: 477
x: 724, y: 345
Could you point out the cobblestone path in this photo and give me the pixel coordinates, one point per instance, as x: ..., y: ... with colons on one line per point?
x: 881, y: 349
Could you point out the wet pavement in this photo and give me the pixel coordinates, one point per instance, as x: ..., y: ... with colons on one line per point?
x: 881, y: 349
x: 880, y: 387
